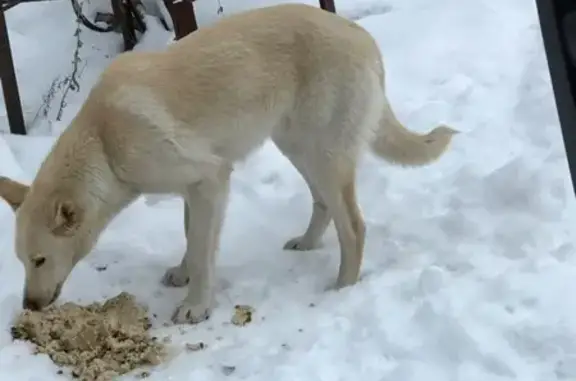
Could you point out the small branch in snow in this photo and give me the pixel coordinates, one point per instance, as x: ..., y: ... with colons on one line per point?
x: 47, y: 98
x: 71, y: 81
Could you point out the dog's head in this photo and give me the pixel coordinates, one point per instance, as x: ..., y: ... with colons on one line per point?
x: 50, y: 239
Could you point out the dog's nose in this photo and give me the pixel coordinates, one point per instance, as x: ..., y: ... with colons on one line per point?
x: 31, y: 304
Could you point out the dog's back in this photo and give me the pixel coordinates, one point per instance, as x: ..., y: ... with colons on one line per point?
x: 218, y: 93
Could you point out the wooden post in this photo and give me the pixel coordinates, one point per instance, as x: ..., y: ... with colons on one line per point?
x: 328, y: 5
x: 9, y: 82
x: 183, y: 17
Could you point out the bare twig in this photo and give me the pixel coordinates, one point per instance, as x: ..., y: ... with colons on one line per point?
x: 71, y: 82
x: 47, y: 98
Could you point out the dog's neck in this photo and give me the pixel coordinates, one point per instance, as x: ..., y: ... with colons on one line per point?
x: 78, y: 171
x: 105, y: 195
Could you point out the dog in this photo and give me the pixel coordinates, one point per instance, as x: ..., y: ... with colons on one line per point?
x: 177, y: 120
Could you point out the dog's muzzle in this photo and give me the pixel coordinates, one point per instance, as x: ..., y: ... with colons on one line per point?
x: 33, y: 304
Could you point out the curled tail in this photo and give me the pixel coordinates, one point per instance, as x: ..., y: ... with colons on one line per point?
x: 398, y: 145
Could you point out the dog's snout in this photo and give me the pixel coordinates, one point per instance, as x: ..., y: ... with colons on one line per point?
x: 31, y: 304
x: 36, y: 304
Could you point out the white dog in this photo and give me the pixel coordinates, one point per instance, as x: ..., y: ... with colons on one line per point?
x: 176, y: 121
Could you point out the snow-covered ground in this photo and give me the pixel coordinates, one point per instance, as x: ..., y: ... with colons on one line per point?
x: 470, y: 263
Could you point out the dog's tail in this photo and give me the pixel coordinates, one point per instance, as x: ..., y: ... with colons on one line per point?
x: 398, y: 145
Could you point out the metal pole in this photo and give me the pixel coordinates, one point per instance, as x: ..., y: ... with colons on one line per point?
x: 120, y: 16
x: 183, y: 17
x: 9, y: 82
x: 328, y: 5
x: 558, y: 27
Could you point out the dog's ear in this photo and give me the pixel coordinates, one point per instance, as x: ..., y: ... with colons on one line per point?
x: 13, y: 192
x: 67, y: 218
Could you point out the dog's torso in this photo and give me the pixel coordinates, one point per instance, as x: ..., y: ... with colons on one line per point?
x: 215, y: 96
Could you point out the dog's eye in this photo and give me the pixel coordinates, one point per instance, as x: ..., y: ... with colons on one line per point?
x: 38, y: 261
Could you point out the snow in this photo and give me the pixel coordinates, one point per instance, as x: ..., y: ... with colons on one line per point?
x: 469, y: 263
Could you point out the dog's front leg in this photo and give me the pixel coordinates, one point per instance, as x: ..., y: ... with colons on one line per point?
x: 177, y: 276
x: 207, y: 202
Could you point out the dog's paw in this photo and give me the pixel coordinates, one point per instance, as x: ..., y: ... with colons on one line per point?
x: 191, y: 314
x: 300, y: 244
x: 175, y: 277
x: 344, y: 282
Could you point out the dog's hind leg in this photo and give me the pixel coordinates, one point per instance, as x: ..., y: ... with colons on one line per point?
x: 319, y: 220
x: 331, y: 182
x: 336, y: 185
